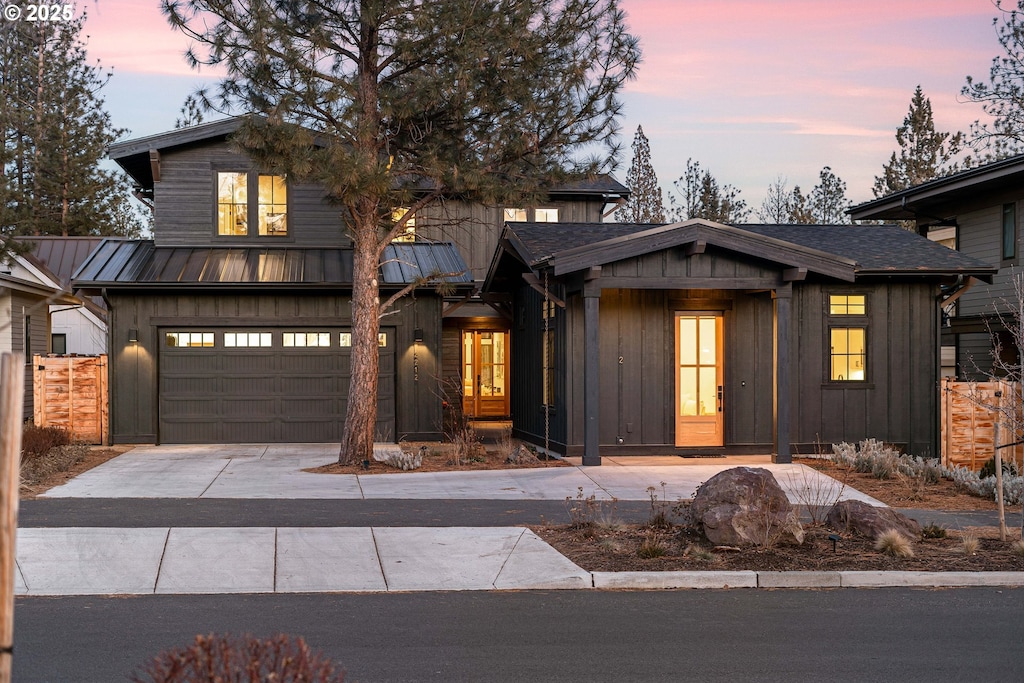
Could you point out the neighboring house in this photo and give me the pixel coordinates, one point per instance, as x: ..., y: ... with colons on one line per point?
x: 79, y: 328
x: 978, y: 213
x: 231, y: 324
x: 27, y: 289
x: 698, y: 338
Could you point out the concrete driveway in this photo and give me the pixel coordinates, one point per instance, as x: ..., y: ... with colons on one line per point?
x: 276, y: 471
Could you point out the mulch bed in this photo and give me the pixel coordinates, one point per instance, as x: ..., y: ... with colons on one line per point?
x: 604, y: 549
x: 439, y: 458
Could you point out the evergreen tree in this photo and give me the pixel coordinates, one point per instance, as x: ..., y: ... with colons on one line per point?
x: 828, y: 199
x: 924, y: 153
x: 484, y: 99
x: 55, y: 134
x: 644, y: 204
x: 191, y: 112
x: 700, y: 196
x: 800, y: 209
x: 1002, y: 97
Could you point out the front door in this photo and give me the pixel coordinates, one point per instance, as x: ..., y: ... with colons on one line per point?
x: 485, y: 373
x: 698, y: 379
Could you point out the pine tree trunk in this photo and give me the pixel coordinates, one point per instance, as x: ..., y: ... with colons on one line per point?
x: 361, y: 413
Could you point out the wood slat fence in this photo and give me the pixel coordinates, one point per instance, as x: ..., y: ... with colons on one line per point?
x: 71, y: 392
x: 969, y: 412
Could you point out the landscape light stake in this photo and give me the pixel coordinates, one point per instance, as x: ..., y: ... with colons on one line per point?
x: 12, y: 383
x: 835, y: 539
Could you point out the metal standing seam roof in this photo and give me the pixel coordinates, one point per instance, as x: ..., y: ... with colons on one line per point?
x: 874, y: 248
x: 140, y: 262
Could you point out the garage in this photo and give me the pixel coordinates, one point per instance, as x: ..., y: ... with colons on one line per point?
x: 263, y: 384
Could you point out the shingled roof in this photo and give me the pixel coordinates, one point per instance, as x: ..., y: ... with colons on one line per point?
x: 869, y: 249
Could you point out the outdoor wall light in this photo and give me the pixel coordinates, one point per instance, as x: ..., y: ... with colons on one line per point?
x: 417, y: 334
x: 133, y: 335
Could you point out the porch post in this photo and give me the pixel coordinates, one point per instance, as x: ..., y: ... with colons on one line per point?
x: 591, y: 369
x: 782, y: 298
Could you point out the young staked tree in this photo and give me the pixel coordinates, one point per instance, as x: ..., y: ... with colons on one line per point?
x: 645, y: 203
x: 400, y: 103
x: 55, y: 133
x: 924, y: 153
x: 1002, y: 97
x: 700, y: 196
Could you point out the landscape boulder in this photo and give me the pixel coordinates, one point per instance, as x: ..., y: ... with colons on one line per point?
x: 868, y: 520
x: 745, y: 506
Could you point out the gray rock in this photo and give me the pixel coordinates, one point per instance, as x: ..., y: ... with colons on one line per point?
x: 745, y: 506
x: 868, y: 520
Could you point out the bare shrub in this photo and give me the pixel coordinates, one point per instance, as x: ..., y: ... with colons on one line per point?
x: 214, y: 658
x: 661, y: 509
x: 894, y: 543
x: 465, y: 445
x: 57, y: 459
x: 582, y: 510
x: 38, y: 441
x: 815, y: 492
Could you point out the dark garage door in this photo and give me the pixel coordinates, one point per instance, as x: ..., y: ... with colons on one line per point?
x: 255, y: 385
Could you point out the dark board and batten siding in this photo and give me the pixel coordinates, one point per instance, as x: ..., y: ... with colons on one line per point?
x: 897, y: 403
x: 23, y: 305
x: 475, y: 228
x: 185, y: 204
x: 134, y: 366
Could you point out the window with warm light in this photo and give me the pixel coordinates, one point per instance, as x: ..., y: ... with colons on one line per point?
x: 847, y: 337
x: 408, y: 234
x: 545, y: 215
x: 250, y: 204
x: 848, y: 354
x: 514, y: 215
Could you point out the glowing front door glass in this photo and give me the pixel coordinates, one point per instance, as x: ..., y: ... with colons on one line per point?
x: 698, y: 369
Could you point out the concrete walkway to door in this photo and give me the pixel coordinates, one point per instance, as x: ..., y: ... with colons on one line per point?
x: 261, y: 471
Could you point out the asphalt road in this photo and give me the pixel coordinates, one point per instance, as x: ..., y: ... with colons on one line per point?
x: 734, y: 635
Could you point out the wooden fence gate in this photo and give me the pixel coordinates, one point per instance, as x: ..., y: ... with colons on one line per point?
x: 969, y: 412
x: 71, y: 392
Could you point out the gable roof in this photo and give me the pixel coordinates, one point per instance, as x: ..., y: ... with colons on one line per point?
x: 139, y: 263
x: 133, y: 157
x: 917, y: 201
x: 63, y: 256
x: 842, y: 252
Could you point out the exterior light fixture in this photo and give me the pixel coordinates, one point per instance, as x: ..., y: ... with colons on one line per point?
x: 417, y: 334
x: 133, y: 335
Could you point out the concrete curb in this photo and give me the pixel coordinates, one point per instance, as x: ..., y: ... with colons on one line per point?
x: 796, y: 579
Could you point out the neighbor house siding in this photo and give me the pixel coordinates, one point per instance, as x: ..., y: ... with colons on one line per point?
x: 980, y: 236
x: 35, y: 310
x: 185, y: 212
x: 134, y: 371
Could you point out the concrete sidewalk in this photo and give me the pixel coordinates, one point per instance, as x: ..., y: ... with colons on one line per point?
x: 275, y: 471
x: 305, y: 557
x: 145, y: 561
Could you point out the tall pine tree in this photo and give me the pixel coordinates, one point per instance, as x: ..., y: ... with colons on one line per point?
x: 55, y: 132
x: 924, y: 153
x: 484, y: 99
x: 644, y: 204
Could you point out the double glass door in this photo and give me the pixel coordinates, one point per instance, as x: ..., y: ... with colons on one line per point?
x: 485, y: 373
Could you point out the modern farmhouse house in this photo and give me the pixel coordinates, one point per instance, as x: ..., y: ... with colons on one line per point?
x: 231, y: 324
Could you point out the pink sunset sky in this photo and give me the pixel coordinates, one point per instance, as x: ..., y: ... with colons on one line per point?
x: 752, y: 89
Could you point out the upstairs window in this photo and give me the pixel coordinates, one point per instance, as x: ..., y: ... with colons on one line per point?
x: 1009, y: 231
x: 514, y: 215
x: 409, y: 233
x: 251, y: 204
x: 545, y: 215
